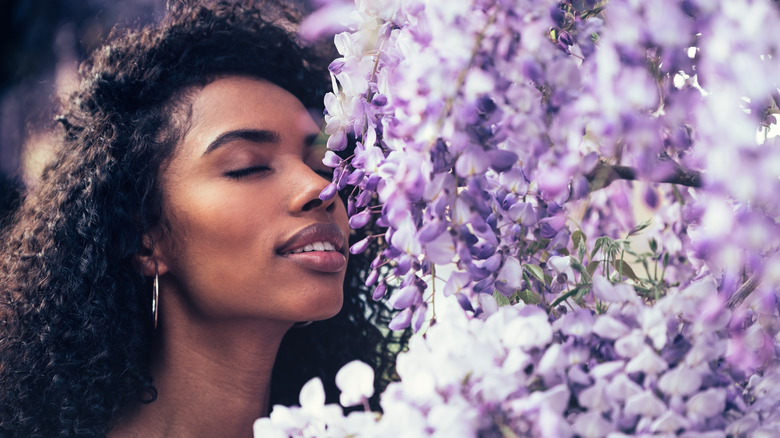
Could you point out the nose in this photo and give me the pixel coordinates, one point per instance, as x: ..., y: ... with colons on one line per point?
x: 306, y: 188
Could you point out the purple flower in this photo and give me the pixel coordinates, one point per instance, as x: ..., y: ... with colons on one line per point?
x: 523, y: 213
x: 405, y: 297
x: 419, y: 316
x: 360, y: 246
x: 329, y: 192
x: 401, y: 320
x: 505, y: 157
x: 502, y: 160
x: 360, y: 220
x: 379, y: 291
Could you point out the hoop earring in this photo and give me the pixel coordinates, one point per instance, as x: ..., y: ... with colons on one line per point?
x: 155, y: 295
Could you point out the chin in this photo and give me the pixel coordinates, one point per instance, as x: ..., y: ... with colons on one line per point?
x: 319, y: 305
x: 327, y: 309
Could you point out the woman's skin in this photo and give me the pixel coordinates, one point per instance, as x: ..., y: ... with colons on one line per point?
x: 240, y: 193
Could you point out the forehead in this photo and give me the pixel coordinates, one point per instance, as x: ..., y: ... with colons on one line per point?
x: 237, y: 102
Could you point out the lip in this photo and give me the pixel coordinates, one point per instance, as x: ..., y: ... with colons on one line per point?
x: 323, y: 261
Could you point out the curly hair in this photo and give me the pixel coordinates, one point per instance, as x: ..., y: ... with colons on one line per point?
x: 75, y: 314
x: 9, y: 198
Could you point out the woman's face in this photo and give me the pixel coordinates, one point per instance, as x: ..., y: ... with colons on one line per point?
x: 246, y: 234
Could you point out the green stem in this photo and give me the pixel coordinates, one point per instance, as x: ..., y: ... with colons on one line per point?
x: 433, y: 293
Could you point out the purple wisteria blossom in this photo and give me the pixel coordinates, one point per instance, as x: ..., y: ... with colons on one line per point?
x: 489, y: 133
x: 594, y: 183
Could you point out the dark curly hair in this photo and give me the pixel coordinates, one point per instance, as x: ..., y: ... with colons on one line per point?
x: 9, y: 198
x: 75, y: 316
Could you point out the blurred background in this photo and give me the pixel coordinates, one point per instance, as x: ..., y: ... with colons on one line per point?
x: 41, y: 42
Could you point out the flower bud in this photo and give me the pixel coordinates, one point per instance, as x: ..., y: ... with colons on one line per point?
x: 360, y: 246
x: 418, y: 318
x: 351, y: 208
x: 464, y: 302
x: 362, y: 199
x: 404, y: 297
x: 379, y: 292
x: 356, y: 177
x: 372, y: 277
x: 373, y: 182
x: 328, y: 192
x: 404, y: 264
x: 378, y: 260
x: 360, y: 220
x: 342, y: 181
x: 402, y: 320
x: 336, y: 66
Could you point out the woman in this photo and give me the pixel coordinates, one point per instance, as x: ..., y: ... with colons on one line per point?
x: 160, y: 279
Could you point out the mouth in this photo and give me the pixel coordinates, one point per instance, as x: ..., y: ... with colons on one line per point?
x: 320, y: 247
x: 316, y: 246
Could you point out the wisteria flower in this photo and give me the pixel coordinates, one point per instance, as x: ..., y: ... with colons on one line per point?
x: 356, y: 382
x: 593, y: 184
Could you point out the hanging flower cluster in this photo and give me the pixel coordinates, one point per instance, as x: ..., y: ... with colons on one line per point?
x: 490, y: 133
x: 497, y: 146
x: 667, y: 369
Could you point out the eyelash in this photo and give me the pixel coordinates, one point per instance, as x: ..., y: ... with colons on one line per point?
x: 244, y: 173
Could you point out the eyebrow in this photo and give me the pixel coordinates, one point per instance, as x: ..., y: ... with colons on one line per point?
x: 259, y: 136
x: 253, y: 135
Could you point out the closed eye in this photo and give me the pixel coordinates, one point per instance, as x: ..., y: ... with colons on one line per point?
x: 246, y: 172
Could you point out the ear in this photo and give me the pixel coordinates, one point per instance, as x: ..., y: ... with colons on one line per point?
x: 149, y: 259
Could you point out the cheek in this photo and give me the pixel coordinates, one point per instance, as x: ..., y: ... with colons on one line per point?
x: 210, y: 230
x: 341, y: 217
x: 212, y: 213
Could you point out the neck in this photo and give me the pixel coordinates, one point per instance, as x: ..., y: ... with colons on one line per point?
x: 213, y: 378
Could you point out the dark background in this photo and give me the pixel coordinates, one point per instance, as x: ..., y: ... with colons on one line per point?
x: 41, y: 42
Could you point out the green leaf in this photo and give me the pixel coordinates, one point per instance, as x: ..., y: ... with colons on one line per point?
x: 614, y: 247
x: 500, y: 299
x: 592, y: 266
x: 599, y: 243
x: 529, y: 297
x: 577, y: 266
x: 639, y: 227
x: 574, y: 292
x: 577, y: 238
x: 625, y: 269
x: 536, y: 271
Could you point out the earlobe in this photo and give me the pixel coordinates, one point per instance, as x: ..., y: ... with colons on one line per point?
x: 149, y: 260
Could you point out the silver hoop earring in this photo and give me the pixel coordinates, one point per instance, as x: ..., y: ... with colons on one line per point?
x: 155, y: 295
